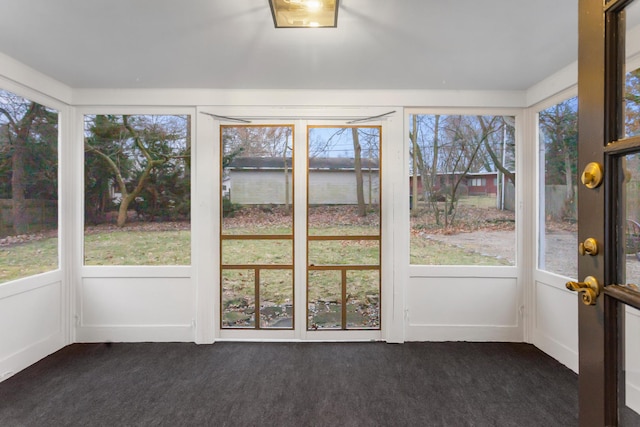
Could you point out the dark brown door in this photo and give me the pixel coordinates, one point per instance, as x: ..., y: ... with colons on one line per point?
x: 608, y: 212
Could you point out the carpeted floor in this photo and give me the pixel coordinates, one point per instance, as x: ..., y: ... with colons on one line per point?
x: 293, y: 384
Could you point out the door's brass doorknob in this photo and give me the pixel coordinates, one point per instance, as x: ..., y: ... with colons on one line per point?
x: 592, y: 175
x: 590, y: 289
x: 589, y: 247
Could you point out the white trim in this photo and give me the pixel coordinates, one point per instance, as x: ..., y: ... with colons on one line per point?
x: 135, y: 333
x: 462, y: 271
x: 25, y: 81
x: 121, y: 271
x: 298, y: 98
x: 565, y: 78
x: 206, y: 210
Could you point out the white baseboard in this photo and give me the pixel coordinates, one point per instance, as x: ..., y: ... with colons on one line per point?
x: 92, y: 334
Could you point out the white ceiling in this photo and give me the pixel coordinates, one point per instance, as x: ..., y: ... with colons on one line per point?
x: 232, y: 44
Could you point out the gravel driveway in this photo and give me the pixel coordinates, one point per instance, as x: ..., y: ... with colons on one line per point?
x: 561, y: 250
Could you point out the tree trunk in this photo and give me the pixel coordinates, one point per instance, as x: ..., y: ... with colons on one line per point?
x: 18, y: 187
x: 22, y: 130
x: 286, y: 174
x: 434, y: 162
x: 568, y: 175
x: 414, y: 180
x: 434, y: 169
x: 357, y: 164
x: 122, y: 212
x: 486, y: 130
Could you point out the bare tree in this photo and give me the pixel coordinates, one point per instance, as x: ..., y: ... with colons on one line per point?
x: 444, y: 150
x: 148, y: 146
x: 357, y: 166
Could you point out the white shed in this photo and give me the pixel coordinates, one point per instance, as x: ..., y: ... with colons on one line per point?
x: 259, y: 180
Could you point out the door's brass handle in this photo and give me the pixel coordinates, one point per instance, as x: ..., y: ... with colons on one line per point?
x: 590, y: 289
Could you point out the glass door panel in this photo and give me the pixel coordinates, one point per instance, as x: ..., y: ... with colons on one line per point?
x: 256, y: 245
x: 629, y: 366
x: 343, y: 227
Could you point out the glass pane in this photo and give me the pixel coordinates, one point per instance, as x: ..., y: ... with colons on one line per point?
x: 324, y: 290
x: 632, y: 103
x: 276, y: 299
x: 462, y: 189
x: 629, y: 371
x: 632, y: 83
x: 558, y: 148
x: 363, y: 299
x: 257, y: 183
x: 244, y: 252
x: 631, y: 169
x: 137, y: 190
x: 28, y: 187
x: 344, y: 252
x: 344, y: 181
x: 301, y: 14
x: 238, y: 298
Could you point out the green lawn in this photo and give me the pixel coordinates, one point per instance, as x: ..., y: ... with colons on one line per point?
x: 27, y: 259
x: 125, y: 247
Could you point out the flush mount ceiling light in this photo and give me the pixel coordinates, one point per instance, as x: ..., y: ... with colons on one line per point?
x: 304, y: 13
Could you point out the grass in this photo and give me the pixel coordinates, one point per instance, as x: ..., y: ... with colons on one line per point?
x: 173, y: 247
x: 27, y: 259
x: 433, y: 252
x: 126, y: 247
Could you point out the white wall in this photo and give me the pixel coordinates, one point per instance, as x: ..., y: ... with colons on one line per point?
x: 449, y: 305
x: 32, y: 321
x: 329, y: 187
x: 250, y: 187
x: 135, y: 304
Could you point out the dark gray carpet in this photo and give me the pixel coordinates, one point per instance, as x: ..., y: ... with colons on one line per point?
x: 292, y: 384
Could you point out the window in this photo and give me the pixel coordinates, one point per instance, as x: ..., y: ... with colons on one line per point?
x: 558, y: 235
x: 456, y: 218
x: 137, y: 190
x: 28, y: 187
x: 477, y: 182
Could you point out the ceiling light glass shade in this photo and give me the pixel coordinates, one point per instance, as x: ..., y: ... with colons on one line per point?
x: 304, y: 13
